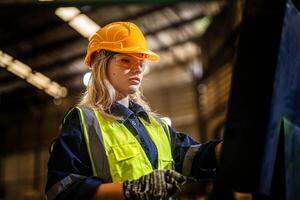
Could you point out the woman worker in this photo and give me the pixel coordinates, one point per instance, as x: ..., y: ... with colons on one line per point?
x: 111, y: 146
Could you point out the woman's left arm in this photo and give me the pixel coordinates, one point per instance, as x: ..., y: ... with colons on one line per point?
x: 192, y: 158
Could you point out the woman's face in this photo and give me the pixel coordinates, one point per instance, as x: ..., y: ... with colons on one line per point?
x: 125, y: 73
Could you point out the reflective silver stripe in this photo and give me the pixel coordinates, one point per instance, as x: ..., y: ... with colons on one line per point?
x: 165, y: 127
x: 97, y: 144
x: 188, y: 159
x: 63, y: 184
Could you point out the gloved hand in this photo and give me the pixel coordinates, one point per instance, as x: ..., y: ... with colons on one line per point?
x: 159, y: 184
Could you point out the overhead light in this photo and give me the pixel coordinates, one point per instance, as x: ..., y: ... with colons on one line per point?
x: 5, y: 59
x: 56, y: 90
x: 34, y: 78
x: 86, y: 78
x: 67, y: 13
x: 201, y: 25
x: 196, y: 68
x: 84, y: 25
x: 165, y: 38
x: 39, y: 80
x: 80, y: 22
x: 19, y: 69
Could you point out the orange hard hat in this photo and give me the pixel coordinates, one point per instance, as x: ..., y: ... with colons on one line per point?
x: 120, y: 37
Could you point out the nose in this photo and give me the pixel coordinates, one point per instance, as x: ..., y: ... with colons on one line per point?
x: 137, y: 69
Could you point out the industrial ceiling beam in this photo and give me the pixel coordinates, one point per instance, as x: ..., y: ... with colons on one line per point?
x: 73, y: 37
x: 60, y: 24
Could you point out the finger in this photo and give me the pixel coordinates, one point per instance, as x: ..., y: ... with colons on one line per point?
x: 173, y: 175
x: 170, y: 187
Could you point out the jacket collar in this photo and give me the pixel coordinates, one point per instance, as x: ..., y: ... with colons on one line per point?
x: 134, y: 109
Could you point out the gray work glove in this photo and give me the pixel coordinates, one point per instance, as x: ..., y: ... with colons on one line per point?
x: 159, y: 184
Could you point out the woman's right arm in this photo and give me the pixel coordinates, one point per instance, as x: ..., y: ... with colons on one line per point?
x: 69, y: 170
x: 192, y: 158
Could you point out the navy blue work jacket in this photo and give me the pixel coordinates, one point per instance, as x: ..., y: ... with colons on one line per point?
x: 70, y: 173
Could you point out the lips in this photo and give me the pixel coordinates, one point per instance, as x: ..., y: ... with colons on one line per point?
x: 135, y: 80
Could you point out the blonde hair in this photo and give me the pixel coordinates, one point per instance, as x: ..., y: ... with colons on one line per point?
x: 100, y: 94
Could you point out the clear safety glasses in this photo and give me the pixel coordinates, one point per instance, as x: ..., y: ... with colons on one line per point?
x: 129, y: 62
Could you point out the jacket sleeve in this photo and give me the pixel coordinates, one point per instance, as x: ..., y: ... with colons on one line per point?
x: 69, y: 168
x: 192, y: 158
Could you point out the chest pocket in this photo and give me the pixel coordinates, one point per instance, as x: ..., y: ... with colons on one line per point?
x: 127, y: 161
x: 165, y: 163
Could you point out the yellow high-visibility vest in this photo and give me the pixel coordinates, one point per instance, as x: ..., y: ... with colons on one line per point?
x: 124, y: 157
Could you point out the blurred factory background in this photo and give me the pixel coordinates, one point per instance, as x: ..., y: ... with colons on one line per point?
x: 42, y: 47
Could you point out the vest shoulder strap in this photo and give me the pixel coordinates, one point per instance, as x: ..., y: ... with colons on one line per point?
x: 94, y: 142
x: 164, y: 125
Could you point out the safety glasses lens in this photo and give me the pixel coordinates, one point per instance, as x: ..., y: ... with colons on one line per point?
x: 129, y: 62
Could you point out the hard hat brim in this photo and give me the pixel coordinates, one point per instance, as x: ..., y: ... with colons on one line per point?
x: 145, y: 54
x: 139, y: 53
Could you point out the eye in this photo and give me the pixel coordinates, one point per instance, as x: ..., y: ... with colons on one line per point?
x: 125, y: 60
